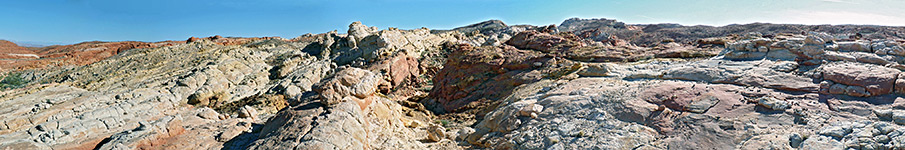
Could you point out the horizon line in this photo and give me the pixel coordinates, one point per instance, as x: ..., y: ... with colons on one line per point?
x: 58, y: 43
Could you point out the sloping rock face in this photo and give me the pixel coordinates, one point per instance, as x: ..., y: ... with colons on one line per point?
x: 13, y: 51
x: 472, y: 73
x: 782, y: 91
x: 19, y: 58
x: 71, y: 55
x: 366, y: 122
x: 210, y: 94
x: 585, y: 84
x: 115, y: 95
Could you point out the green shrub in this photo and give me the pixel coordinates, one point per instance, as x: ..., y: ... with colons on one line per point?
x: 442, y: 122
x: 12, y: 81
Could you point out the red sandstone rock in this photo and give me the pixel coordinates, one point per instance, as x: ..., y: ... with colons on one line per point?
x: 697, y: 98
x: 475, y: 73
x: 192, y: 39
x: 9, y: 50
x: 403, y: 68
x: 878, y: 80
x: 542, y: 41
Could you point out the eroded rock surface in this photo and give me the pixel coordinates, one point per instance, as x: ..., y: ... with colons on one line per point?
x: 585, y: 84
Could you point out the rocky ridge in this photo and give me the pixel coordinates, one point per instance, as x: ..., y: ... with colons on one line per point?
x: 14, y: 57
x: 585, y: 84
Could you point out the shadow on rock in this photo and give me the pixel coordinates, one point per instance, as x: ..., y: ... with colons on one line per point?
x: 243, y: 140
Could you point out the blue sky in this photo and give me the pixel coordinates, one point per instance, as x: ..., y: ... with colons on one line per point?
x: 72, y: 21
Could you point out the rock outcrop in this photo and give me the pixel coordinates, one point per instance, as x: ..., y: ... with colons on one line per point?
x: 353, y: 84
x: 12, y: 51
x: 19, y: 58
x: 347, y: 122
x: 542, y: 41
x: 872, y: 79
x: 473, y: 73
x: 584, y: 84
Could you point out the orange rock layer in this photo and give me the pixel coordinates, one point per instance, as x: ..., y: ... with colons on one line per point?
x: 14, y: 57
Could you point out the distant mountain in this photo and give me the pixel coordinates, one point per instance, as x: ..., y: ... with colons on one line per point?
x: 35, y: 44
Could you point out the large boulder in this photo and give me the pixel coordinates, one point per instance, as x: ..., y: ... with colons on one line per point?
x: 815, y: 44
x: 853, y: 46
x: 348, y: 84
x: 360, y: 31
x: 754, y: 48
x: 751, y: 45
x: 888, y: 47
x: 877, y: 80
x: 402, y: 69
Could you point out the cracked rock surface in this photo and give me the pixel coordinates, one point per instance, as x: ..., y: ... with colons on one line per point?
x: 584, y: 84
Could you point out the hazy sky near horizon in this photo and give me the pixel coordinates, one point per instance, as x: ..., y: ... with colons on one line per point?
x: 73, y: 21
